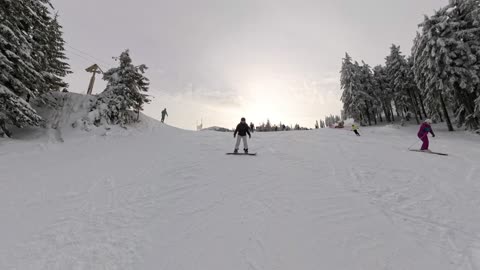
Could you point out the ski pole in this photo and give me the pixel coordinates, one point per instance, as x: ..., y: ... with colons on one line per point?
x: 417, y: 141
x: 412, y: 145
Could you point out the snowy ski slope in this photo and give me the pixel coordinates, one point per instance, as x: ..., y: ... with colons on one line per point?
x: 155, y: 197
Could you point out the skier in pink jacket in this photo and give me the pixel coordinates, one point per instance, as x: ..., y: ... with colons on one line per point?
x: 425, y: 128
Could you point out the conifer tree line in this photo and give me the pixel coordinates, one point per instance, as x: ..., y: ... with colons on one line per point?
x: 330, y: 121
x: 33, y: 65
x: 440, y: 80
x: 269, y: 127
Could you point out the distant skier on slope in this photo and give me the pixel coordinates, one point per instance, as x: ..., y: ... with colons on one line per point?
x: 164, y: 113
x: 425, y: 128
x: 242, y: 129
x: 252, y: 127
x: 355, y: 129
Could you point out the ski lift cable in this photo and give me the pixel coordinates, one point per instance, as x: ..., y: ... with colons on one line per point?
x: 89, y: 55
x: 86, y: 59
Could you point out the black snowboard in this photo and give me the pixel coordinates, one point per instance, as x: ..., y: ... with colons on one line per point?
x: 429, y: 152
x: 242, y: 154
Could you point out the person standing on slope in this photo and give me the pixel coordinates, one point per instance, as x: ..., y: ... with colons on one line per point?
x: 252, y: 127
x: 164, y: 113
x: 425, y: 128
x: 355, y: 129
x: 242, y: 129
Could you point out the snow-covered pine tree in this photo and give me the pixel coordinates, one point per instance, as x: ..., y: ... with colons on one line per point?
x: 39, y: 33
x: 125, y: 92
x: 347, y: 78
x: 376, y: 95
x: 416, y: 93
x: 447, y: 61
x: 350, y: 84
x: 383, y: 92
x: 56, y: 66
x: 465, y: 18
x: 397, y: 72
x: 431, y: 96
x: 22, y: 56
x: 366, y: 93
x: 412, y: 89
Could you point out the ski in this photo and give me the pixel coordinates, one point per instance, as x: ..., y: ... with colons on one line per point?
x: 242, y: 154
x: 429, y: 152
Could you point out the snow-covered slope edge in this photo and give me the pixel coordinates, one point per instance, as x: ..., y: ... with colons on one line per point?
x: 68, y: 120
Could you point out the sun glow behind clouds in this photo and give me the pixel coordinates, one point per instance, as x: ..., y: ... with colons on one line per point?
x: 277, y: 98
x: 265, y: 99
x: 280, y: 97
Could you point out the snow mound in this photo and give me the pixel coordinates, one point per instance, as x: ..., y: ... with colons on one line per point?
x: 69, y: 117
x: 215, y: 128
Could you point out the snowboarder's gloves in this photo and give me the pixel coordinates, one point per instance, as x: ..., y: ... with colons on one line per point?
x: 234, y: 135
x: 433, y: 135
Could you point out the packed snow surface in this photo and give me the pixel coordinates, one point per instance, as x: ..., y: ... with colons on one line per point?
x: 155, y: 197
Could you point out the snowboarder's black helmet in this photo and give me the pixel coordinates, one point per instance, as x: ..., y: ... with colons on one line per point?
x: 243, y: 119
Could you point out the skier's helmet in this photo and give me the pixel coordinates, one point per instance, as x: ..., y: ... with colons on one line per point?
x: 243, y: 119
x: 428, y: 121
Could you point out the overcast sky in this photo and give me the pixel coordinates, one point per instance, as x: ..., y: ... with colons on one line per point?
x: 219, y: 60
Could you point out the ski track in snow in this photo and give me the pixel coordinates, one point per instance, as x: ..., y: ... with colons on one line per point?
x: 171, y: 199
x: 421, y: 211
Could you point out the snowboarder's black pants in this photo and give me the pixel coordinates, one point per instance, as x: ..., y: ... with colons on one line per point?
x: 356, y: 132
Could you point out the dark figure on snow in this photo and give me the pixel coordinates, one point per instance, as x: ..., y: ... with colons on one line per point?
x: 242, y: 130
x: 425, y: 128
x: 355, y: 129
x: 252, y: 127
x: 164, y: 113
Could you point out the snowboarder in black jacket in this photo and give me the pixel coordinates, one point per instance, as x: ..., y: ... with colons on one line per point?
x: 242, y: 129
